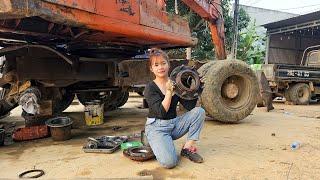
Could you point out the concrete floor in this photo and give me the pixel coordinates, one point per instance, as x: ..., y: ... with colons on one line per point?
x: 232, y: 151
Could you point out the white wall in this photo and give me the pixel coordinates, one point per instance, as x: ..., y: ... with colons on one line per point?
x: 264, y: 16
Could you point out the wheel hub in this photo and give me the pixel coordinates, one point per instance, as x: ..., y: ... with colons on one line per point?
x: 187, y: 82
x: 300, y: 93
x: 230, y: 90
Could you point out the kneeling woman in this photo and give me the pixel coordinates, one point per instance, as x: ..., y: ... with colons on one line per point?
x: 163, y: 126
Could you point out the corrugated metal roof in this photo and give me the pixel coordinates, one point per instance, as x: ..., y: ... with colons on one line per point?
x: 293, y: 21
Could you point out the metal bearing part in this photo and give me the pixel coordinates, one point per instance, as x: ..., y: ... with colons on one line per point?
x: 103, y: 142
x: 187, y: 82
x: 40, y: 173
x: 142, y: 153
x: 92, y: 145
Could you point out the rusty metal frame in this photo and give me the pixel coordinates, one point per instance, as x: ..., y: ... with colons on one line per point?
x: 65, y: 57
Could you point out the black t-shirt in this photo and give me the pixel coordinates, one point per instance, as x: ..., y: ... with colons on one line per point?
x: 154, y: 98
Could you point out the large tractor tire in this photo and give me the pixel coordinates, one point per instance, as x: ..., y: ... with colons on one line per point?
x: 300, y: 94
x: 231, y: 90
x: 205, y: 68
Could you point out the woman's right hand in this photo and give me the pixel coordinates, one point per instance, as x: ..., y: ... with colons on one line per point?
x: 170, y: 86
x: 169, y: 93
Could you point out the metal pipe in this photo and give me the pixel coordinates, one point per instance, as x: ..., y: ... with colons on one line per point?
x: 95, y: 90
x: 176, y: 6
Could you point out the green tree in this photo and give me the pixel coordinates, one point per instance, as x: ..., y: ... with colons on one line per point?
x: 251, y: 46
x: 200, y: 29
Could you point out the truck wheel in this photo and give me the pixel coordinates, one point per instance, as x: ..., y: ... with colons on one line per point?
x: 84, y: 97
x: 111, y: 101
x: 6, y: 107
x: 116, y: 100
x: 59, y: 105
x: 230, y: 91
x: 90, y: 96
x: 300, y: 94
x: 123, y: 98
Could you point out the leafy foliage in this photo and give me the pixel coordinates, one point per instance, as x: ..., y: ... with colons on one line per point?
x: 200, y: 29
x: 251, y: 46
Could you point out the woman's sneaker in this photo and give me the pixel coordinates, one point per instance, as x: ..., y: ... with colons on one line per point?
x: 192, y: 155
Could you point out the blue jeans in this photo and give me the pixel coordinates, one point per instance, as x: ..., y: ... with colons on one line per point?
x: 161, y: 133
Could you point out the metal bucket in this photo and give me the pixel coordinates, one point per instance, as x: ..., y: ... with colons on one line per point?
x: 94, y: 113
x: 60, y: 128
x: 2, y: 136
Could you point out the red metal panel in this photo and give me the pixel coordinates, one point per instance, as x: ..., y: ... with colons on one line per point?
x: 153, y: 15
x: 203, y: 8
x: 218, y: 41
x: 211, y: 10
x: 126, y: 10
x: 86, y: 5
x: 109, y: 23
x: 118, y: 28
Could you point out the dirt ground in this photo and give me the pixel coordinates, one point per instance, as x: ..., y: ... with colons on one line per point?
x: 247, y: 150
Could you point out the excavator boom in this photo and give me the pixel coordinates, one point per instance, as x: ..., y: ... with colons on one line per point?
x: 211, y: 10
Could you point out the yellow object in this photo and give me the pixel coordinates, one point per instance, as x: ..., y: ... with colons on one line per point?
x: 94, y: 113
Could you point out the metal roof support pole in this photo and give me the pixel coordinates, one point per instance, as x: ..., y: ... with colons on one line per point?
x: 266, y: 61
x: 176, y: 9
x: 188, y: 50
x: 235, y: 29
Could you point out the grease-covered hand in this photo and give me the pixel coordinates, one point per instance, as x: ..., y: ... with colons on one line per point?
x: 170, y: 86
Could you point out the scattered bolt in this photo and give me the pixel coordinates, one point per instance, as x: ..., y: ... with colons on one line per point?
x: 115, y: 128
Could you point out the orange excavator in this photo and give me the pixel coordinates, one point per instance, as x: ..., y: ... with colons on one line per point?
x: 54, y: 49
